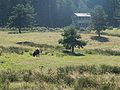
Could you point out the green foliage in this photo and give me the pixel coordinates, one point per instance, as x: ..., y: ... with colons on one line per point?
x: 22, y: 16
x: 99, y: 19
x: 38, y: 76
x: 71, y: 40
x: 56, y: 13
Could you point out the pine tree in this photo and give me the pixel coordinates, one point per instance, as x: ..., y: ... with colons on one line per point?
x: 71, y: 39
x: 99, y: 19
x: 22, y: 16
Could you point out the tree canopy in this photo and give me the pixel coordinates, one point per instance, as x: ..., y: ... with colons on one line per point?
x: 22, y: 16
x: 56, y: 13
x: 72, y: 39
x: 99, y: 19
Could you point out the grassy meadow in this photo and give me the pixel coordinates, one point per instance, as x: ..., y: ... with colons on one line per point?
x: 112, y: 32
x: 17, y: 58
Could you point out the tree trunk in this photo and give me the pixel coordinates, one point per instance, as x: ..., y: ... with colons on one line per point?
x: 98, y: 32
x: 72, y: 49
x: 19, y: 30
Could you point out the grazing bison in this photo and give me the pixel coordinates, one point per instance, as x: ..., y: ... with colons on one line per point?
x: 36, y: 52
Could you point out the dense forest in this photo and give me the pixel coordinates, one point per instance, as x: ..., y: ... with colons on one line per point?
x: 56, y: 13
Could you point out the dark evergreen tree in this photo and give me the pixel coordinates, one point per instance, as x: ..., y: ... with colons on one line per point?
x: 22, y: 16
x: 57, y: 13
x: 71, y: 39
x: 99, y: 19
x: 4, y: 12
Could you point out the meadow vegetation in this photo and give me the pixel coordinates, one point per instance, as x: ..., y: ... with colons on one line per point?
x: 94, y: 67
x: 112, y: 32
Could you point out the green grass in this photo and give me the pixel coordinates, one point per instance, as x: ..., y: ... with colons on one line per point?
x: 49, y: 38
x: 26, y: 61
x: 114, y: 32
x: 89, y: 77
x: 14, y: 61
x: 11, y: 61
x: 113, y: 43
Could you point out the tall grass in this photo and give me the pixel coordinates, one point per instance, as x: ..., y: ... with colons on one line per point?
x: 114, y: 32
x: 102, y: 77
x: 103, y: 52
x: 12, y: 49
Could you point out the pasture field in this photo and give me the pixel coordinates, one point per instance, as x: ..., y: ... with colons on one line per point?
x: 51, y: 38
x: 18, y: 58
x: 114, y: 32
x: 19, y: 62
x: 26, y: 61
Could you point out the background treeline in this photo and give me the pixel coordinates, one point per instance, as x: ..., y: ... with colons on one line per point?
x: 56, y: 13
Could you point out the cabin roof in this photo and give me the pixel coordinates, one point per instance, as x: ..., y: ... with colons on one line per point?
x: 83, y: 14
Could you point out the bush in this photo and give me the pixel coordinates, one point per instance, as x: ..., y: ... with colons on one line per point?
x: 45, y: 29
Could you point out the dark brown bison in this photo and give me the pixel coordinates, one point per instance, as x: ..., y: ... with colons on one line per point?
x: 36, y: 52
